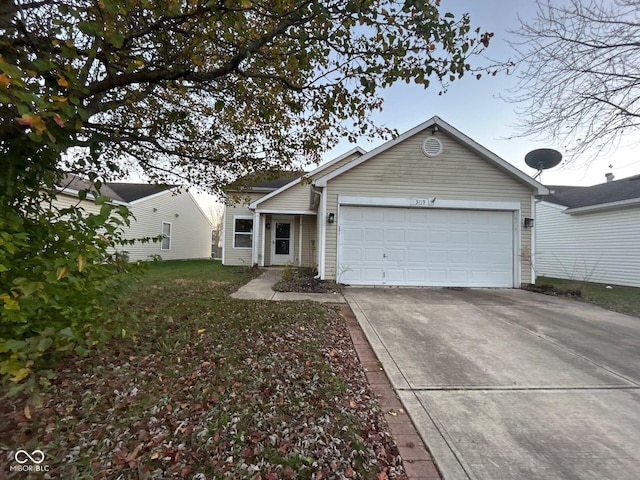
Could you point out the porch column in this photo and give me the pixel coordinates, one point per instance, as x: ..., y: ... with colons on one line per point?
x: 300, y: 241
x: 256, y: 238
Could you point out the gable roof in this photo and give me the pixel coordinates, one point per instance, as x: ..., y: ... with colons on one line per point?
x: 119, y: 191
x: 130, y: 192
x: 617, y: 193
x: 320, y: 169
x: 444, y: 126
x: 266, y: 182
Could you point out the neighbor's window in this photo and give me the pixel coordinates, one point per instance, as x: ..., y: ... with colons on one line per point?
x: 242, y: 232
x: 166, y: 231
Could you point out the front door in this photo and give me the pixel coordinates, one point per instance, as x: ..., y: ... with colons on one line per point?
x: 282, y: 245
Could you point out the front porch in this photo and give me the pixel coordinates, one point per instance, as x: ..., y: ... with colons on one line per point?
x: 284, y: 239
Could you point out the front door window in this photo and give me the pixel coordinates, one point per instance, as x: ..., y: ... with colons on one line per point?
x: 283, y: 238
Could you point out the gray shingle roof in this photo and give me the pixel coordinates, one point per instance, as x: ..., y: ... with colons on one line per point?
x: 130, y: 192
x: 267, y: 181
x: 603, y: 193
x: 122, y: 192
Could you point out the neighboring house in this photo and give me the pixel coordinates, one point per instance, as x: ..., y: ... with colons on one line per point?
x: 431, y: 207
x: 157, y: 210
x: 591, y: 233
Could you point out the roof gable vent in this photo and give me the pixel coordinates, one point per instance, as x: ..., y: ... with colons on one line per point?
x: 432, y: 147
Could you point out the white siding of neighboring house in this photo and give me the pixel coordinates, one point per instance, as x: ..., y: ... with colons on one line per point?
x: 231, y: 255
x: 65, y: 201
x: 601, y: 247
x: 190, y: 229
x: 404, y: 171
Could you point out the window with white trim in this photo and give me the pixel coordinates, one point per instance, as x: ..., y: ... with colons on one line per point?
x: 242, y: 232
x: 166, y: 239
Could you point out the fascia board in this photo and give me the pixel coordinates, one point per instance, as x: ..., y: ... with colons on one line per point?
x: 603, y: 206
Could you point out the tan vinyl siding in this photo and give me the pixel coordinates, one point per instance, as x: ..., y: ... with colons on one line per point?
x: 602, y: 247
x: 309, y: 241
x: 190, y: 229
x: 231, y: 255
x: 337, y: 165
x: 294, y: 198
x: 404, y: 171
x: 298, y: 197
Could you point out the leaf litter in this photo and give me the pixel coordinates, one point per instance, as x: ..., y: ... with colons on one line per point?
x: 210, y: 387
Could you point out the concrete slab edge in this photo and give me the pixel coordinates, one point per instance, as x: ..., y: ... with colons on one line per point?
x: 448, y: 462
x: 393, y: 372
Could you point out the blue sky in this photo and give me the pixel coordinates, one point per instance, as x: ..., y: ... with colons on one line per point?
x: 475, y: 107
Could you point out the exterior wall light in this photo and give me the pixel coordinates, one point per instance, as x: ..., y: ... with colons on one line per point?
x: 331, y: 218
x: 528, y: 222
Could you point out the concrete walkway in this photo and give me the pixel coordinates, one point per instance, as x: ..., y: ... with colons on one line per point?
x: 261, y: 288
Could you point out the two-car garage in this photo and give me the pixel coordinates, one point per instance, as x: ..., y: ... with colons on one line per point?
x: 453, y: 247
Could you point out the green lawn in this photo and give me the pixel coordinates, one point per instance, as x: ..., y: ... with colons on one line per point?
x: 617, y: 298
x: 206, y: 386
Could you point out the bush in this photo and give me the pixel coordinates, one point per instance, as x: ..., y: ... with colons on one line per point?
x: 61, y: 283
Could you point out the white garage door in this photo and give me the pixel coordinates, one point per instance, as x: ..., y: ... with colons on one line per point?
x: 425, y: 247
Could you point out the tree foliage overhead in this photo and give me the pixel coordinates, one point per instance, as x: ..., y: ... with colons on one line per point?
x: 210, y: 90
x: 580, y: 73
x: 189, y: 91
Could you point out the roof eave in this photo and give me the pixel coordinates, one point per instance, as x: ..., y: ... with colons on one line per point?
x: 153, y: 195
x: 296, y: 181
x: 632, y: 202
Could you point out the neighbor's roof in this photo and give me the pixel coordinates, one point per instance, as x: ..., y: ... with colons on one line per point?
x: 622, y: 190
x: 130, y: 192
x: 121, y: 192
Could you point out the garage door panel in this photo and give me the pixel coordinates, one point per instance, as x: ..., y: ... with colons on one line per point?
x: 395, y: 276
x: 354, y: 254
x: 417, y: 236
x: 374, y: 234
x: 437, y: 276
x: 373, y: 254
x: 371, y: 215
x: 352, y: 235
x: 375, y: 275
x: 395, y: 235
x: 457, y: 257
x: 431, y: 247
x: 393, y: 216
x: 416, y: 276
x: 395, y: 255
x: 437, y: 236
x: 415, y: 255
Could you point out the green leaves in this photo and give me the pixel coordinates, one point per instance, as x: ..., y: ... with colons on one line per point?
x: 60, y: 285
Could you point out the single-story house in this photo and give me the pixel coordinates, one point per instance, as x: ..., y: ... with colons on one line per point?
x: 157, y: 210
x: 431, y: 207
x: 590, y: 233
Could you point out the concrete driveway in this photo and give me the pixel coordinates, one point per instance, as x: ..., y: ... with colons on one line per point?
x: 508, y: 384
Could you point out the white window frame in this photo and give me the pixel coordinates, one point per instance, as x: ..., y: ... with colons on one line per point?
x: 166, y: 237
x: 251, y: 233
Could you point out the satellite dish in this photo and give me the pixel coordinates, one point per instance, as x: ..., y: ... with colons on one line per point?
x: 542, y: 159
